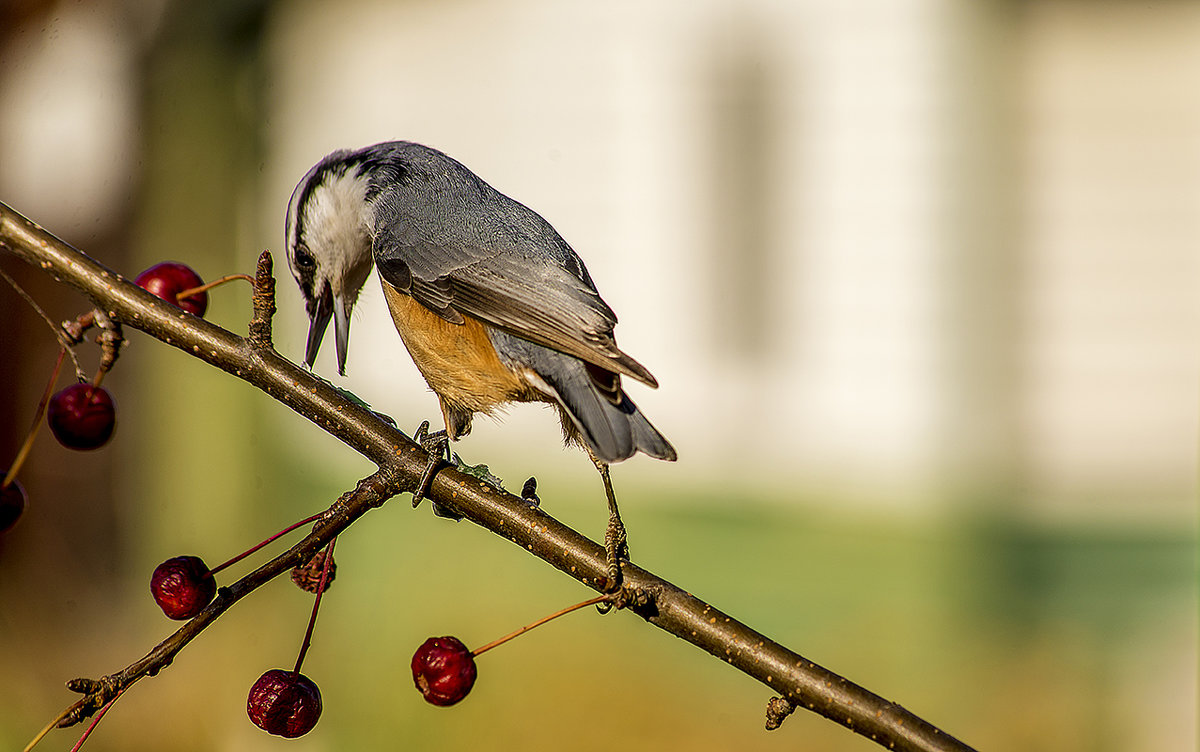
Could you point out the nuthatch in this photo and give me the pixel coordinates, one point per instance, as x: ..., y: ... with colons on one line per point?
x: 492, y: 304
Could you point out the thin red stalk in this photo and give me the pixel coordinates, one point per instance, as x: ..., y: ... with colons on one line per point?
x: 210, y: 285
x: 11, y: 475
x: 543, y: 620
x: 46, y: 730
x: 95, y: 721
x: 274, y: 537
x: 312, y: 620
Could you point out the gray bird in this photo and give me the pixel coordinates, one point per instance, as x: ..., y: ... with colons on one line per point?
x: 492, y: 304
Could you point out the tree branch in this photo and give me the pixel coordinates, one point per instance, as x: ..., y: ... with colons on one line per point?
x: 801, y: 683
x: 370, y: 493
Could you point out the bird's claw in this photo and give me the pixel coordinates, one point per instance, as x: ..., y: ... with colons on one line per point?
x: 437, y: 445
x: 616, y: 550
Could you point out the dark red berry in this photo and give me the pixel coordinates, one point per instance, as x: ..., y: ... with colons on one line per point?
x: 12, y: 503
x: 82, y: 416
x: 182, y: 586
x: 284, y: 703
x: 168, y: 279
x: 444, y: 670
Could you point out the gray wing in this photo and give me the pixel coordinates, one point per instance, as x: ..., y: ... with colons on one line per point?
x: 459, y: 247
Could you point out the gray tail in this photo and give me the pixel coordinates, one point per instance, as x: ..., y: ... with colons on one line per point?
x: 600, y: 414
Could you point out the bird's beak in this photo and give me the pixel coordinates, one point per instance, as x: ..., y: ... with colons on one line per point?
x: 341, y: 332
x: 318, y: 319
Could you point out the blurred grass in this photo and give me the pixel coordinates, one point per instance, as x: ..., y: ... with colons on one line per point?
x: 1009, y: 636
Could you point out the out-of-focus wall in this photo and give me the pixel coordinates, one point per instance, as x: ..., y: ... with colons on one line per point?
x: 896, y: 248
x: 1111, y: 246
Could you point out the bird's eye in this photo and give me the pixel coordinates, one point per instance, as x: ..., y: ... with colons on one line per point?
x: 303, y: 258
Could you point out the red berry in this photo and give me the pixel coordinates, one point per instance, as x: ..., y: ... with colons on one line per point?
x: 182, y: 586
x: 168, y: 279
x: 284, y: 703
x: 12, y: 503
x: 444, y: 670
x: 82, y: 416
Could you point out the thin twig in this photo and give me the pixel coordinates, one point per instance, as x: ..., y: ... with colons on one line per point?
x: 47, y: 729
x: 38, y: 414
x: 58, y: 332
x: 96, y: 721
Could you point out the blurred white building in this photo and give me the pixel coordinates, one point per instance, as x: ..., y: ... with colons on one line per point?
x: 874, y: 247
x: 879, y: 249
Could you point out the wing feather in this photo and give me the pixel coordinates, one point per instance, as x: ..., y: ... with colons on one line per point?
x: 459, y: 248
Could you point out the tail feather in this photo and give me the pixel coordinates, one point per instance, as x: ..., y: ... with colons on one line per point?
x: 599, y: 415
x: 596, y: 412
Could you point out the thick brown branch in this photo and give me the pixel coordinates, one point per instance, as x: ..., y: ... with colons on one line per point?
x: 799, y: 681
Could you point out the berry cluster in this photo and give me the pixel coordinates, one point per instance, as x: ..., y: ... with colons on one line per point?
x: 283, y: 702
x: 83, y: 415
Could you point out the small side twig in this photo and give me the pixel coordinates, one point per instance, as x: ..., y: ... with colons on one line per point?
x: 778, y: 709
x: 110, y: 340
x: 74, y: 329
x: 96, y: 721
x: 62, y: 336
x: 263, y: 303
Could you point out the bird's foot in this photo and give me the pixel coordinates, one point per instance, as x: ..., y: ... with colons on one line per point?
x: 616, y: 551
x: 437, y: 445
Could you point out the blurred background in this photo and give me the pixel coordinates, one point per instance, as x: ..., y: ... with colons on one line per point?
x: 918, y: 279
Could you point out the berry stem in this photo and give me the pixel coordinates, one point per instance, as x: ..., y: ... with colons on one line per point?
x: 47, y: 729
x: 11, y: 475
x: 280, y: 534
x: 96, y: 721
x: 210, y: 285
x: 312, y: 620
x: 543, y: 620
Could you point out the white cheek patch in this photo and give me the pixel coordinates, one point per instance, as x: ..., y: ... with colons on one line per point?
x: 336, y: 231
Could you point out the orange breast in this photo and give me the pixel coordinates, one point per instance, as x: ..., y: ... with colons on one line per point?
x: 457, y: 360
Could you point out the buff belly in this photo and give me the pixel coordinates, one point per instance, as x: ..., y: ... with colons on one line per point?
x: 458, y: 362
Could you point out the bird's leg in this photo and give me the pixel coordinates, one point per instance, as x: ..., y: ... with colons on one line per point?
x: 437, y: 444
x: 616, y: 545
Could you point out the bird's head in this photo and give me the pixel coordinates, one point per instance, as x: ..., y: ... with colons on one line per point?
x: 329, y: 246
